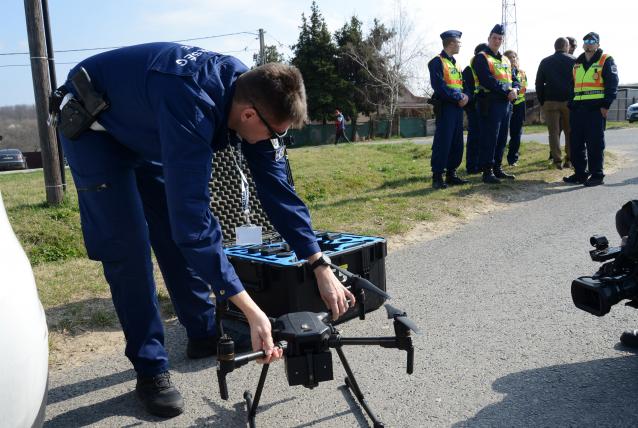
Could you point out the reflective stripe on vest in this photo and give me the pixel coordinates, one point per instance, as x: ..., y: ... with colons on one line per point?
x: 475, y: 77
x: 500, y: 69
x: 589, y: 84
x: 451, y: 74
x: 522, y: 77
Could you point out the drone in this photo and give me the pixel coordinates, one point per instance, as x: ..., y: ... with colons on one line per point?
x: 306, y: 339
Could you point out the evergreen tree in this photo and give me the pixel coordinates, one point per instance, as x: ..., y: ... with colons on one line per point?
x: 315, y: 55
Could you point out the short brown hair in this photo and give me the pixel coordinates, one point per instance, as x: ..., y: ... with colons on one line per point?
x: 448, y: 41
x: 276, y: 88
x: 510, y: 53
x: 561, y: 44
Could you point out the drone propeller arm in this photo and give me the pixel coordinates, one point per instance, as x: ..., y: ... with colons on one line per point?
x: 403, y: 343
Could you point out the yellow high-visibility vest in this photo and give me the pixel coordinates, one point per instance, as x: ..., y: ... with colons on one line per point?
x: 475, y: 77
x: 500, y: 69
x: 522, y: 77
x: 589, y: 84
x: 451, y: 74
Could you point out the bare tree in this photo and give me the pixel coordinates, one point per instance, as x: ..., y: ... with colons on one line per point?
x: 390, y: 60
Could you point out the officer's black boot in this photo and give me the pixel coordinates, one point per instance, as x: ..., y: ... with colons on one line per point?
x: 629, y: 338
x: 437, y: 181
x: 159, y: 396
x: 489, y: 177
x: 499, y: 173
x: 451, y: 179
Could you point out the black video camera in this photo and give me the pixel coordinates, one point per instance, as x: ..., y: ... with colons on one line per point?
x: 616, y: 280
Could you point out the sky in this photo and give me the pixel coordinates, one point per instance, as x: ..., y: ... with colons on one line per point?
x: 80, y: 24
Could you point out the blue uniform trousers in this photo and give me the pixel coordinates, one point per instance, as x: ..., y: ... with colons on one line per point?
x: 473, y: 140
x: 124, y: 213
x: 516, y: 130
x: 587, y: 149
x: 447, y: 147
x: 494, y: 133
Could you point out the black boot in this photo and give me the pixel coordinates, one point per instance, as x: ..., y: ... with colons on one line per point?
x: 499, y: 173
x: 159, y: 396
x: 451, y: 179
x: 489, y: 177
x: 629, y: 338
x: 437, y: 181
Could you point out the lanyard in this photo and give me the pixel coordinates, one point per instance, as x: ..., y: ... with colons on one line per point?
x: 245, y: 190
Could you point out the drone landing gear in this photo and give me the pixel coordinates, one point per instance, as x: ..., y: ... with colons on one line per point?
x: 252, y: 403
x: 353, y: 386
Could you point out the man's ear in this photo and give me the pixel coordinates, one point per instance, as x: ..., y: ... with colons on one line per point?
x: 247, y: 113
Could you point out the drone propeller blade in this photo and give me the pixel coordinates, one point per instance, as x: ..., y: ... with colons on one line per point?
x: 402, y: 317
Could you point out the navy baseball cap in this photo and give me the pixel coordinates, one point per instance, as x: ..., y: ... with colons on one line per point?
x: 592, y: 36
x: 498, y: 29
x: 451, y: 34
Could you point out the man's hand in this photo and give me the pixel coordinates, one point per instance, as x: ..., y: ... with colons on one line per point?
x: 261, y: 337
x: 463, y: 101
x: 260, y: 328
x: 332, y: 292
x: 512, y: 94
x: 604, y: 112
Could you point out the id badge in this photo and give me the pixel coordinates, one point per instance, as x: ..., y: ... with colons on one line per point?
x: 280, y: 149
x: 248, y: 234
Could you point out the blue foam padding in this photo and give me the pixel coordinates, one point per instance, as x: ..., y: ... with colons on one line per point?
x: 340, y: 243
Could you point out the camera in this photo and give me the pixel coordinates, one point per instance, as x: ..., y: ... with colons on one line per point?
x: 616, y: 280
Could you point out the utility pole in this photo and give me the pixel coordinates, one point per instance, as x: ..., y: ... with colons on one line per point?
x: 508, y: 19
x: 41, y: 89
x: 54, y: 83
x: 262, y: 48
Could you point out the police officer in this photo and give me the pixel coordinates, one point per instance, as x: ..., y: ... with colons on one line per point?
x: 471, y: 89
x: 142, y: 181
x: 447, y: 82
x: 498, y: 89
x: 595, y: 88
x: 518, y: 110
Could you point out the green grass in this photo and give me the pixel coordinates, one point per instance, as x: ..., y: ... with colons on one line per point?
x: 377, y: 189
x: 383, y: 189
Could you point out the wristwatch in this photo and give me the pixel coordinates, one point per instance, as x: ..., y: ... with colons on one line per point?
x: 323, y: 260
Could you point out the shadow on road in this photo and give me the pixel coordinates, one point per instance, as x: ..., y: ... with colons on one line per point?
x: 595, y: 393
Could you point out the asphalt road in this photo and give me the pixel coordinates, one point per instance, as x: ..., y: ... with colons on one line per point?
x: 503, y: 345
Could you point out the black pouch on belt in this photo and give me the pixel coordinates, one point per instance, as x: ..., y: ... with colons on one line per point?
x: 79, y: 113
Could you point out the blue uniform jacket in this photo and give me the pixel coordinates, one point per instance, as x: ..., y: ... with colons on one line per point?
x: 487, y: 80
x: 441, y: 90
x: 169, y: 103
x: 610, y: 76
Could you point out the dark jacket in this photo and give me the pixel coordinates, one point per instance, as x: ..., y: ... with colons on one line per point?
x: 497, y: 89
x: 610, y: 76
x: 554, y: 78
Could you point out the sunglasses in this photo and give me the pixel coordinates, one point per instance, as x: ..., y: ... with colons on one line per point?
x: 590, y: 42
x: 273, y: 133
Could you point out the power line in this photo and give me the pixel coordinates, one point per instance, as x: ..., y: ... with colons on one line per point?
x: 117, y: 47
x: 75, y: 62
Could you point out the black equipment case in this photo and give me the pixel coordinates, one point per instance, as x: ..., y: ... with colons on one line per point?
x: 271, y: 273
